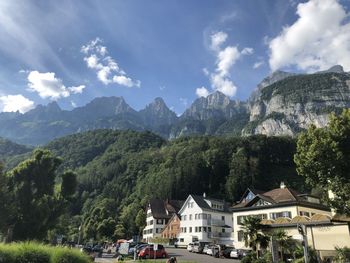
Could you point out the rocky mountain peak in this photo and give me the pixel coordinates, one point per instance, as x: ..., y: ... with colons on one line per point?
x: 216, y: 105
x: 158, y: 113
x: 333, y: 69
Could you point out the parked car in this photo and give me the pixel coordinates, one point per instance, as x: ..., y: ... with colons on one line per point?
x: 227, y: 252
x: 239, y: 253
x: 190, y: 247
x: 198, y: 247
x: 205, y: 249
x: 148, y: 252
x: 210, y: 250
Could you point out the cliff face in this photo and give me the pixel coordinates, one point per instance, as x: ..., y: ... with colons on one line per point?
x: 294, y: 103
x: 216, y: 105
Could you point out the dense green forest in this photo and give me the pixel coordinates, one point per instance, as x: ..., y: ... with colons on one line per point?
x: 118, y: 171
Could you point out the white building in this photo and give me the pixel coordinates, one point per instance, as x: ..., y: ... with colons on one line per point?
x: 205, y: 219
x: 158, y: 214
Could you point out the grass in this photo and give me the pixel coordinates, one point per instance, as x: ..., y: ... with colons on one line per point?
x: 31, y: 252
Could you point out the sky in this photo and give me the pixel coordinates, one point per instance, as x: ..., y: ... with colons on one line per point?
x: 74, y: 51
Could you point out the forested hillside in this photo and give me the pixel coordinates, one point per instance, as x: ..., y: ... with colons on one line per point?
x: 118, y: 171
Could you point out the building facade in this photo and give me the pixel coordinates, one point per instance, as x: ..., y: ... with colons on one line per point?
x: 205, y: 219
x: 158, y: 214
x: 279, y: 206
x: 172, y: 230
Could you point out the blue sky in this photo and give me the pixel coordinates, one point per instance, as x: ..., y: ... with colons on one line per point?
x: 74, y: 51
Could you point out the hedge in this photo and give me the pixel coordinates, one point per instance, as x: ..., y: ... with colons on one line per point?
x: 30, y: 252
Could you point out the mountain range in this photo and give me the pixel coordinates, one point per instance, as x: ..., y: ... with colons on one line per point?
x: 282, y: 104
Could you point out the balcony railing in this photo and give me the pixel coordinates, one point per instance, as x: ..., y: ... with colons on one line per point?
x: 219, y: 235
x: 216, y: 222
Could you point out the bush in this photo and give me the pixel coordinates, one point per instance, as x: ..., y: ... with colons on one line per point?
x: 68, y: 256
x: 6, y: 255
x: 37, y: 253
x: 249, y: 258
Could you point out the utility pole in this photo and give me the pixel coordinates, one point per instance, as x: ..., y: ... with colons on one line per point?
x: 303, y: 231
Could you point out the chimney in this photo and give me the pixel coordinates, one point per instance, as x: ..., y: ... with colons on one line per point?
x: 204, y: 195
x: 282, y: 185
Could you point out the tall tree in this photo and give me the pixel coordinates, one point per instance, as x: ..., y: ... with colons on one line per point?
x: 323, y: 156
x: 252, y: 234
x: 38, y: 202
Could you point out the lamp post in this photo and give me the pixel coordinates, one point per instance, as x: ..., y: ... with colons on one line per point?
x: 79, y: 234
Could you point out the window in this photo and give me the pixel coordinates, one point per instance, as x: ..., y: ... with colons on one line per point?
x: 223, y: 230
x: 190, y: 229
x: 209, y: 229
x: 240, y: 236
x: 223, y: 218
x: 190, y: 217
x: 156, y: 230
x: 261, y: 203
x: 181, y: 240
x: 281, y: 214
x: 151, y: 222
x: 196, y: 229
x: 304, y: 213
x: 204, y: 229
x: 240, y: 219
x: 196, y: 216
x: 199, y: 229
x: 159, y: 221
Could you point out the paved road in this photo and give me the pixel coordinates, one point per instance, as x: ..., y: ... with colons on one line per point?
x: 182, y: 255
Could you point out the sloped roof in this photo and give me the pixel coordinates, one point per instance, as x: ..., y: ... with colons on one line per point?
x: 200, y: 201
x: 164, y: 209
x: 279, y: 197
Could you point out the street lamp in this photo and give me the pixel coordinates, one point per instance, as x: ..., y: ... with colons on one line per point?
x: 79, y: 234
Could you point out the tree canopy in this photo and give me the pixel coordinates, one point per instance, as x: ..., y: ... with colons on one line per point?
x: 323, y: 156
x: 35, y: 199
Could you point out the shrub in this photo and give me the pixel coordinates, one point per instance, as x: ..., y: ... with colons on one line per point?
x: 31, y: 252
x: 65, y: 255
x: 6, y: 255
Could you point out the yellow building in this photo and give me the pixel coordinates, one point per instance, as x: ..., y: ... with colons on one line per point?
x: 286, y: 208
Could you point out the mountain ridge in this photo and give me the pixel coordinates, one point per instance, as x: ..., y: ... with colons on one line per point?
x: 283, y: 103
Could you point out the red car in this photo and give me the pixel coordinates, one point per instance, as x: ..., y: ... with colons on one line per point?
x: 148, y: 252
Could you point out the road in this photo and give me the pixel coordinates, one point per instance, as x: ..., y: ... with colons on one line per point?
x: 183, y: 255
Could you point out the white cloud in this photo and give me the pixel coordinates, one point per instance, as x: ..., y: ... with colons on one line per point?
x: 247, y: 51
x: 202, y: 92
x: 217, y: 40
x: 48, y: 86
x: 258, y: 64
x: 13, y: 103
x: 320, y: 38
x: 225, y: 59
x: 225, y: 85
x: 107, y: 69
x: 77, y: 90
x: 74, y: 105
x: 206, y: 71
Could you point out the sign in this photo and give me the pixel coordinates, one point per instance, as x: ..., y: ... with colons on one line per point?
x: 124, y: 248
x: 155, y: 247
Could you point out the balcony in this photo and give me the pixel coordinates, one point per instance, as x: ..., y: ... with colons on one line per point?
x: 219, y: 235
x: 216, y: 222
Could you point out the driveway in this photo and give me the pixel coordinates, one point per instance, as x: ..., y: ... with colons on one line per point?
x: 181, y: 256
